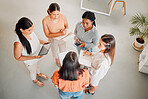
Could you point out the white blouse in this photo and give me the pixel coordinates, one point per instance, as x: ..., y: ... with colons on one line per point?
x: 35, y: 47
x: 100, y: 65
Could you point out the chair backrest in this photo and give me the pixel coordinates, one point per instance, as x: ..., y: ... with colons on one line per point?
x: 119, y: 0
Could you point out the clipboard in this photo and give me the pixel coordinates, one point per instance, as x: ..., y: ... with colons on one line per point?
x: 45, y: 49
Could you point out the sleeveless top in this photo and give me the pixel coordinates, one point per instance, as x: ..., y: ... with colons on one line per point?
x: 56, y: 27
x: 35, y: 47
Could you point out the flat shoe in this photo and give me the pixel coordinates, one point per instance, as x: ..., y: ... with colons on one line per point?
x: 39, y: 83
x: 87, y: 92
x: 42, y: 76
x: 88, y: 86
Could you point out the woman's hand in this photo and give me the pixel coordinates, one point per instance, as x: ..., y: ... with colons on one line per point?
x: 43, y: 42
x: 56, y: 86
x: 63, y: 32
x: 38, y: 57
x: 77, y: 40
x: 87, y: 53
x: 82, y: 44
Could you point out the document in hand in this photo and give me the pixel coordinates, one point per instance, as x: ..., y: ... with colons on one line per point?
x: 44, y: 50
x: 65, y: 37
x: 62, y: 56
x: 85, y: 59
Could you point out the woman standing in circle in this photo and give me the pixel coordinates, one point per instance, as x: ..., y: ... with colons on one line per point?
x: 71, y: 79
x: 101, y: 61
x: 55, y: 24
x: 26, y: 49
x: 86, y: 34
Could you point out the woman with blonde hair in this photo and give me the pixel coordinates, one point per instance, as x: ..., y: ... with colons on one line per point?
x: 101, y: 61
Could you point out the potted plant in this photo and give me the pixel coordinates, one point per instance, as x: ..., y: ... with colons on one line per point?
x: 140, y: 30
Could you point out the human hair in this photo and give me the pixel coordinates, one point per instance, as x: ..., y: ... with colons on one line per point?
x: 89, y: 15
x: 70, y: 69
x: 53, y: 7
x: 110, y: 45
x: 23, y: 23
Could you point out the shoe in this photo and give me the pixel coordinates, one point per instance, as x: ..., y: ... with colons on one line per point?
x: 88, y: 86
x: 42, y: 76
x: 39, y: 83
x: 87, y: 92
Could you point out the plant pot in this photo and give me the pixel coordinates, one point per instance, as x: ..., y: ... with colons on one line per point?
x: 139, y: 44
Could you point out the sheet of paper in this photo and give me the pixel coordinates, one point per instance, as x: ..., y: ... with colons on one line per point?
x: 62, y: 56
x: 65, y: 37
x: 85, y: 59
x: 68, y: 37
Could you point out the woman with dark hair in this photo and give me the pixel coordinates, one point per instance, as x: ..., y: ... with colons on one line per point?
x: 71, y: 79
x: 101, y: 61
x: 86, y: 34
x: 54, y: 25
x: 26, y: 47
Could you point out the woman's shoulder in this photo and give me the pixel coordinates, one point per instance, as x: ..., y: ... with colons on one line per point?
x: 63, y: 17
x: 100, y: 56
x: 56, y: 72
x: 46, y: 18
x: 104, y: 58
x: 17, y: 44
x: 94, y: 29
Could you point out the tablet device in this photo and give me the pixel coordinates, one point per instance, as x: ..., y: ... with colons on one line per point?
x: 44, y: 50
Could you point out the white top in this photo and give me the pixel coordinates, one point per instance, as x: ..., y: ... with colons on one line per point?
x: 35, y: 47
x: 100, y: 65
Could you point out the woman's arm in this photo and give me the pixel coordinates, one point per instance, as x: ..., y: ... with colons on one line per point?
x: 43, y: 42
x: 48, y: 33
x: 75, y: 32
x: 65, y: 30
x: 87, y: 53
x: 65, y: 22
x: 56, y: 86
x: 93, y: 43
x: 18, y: 48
